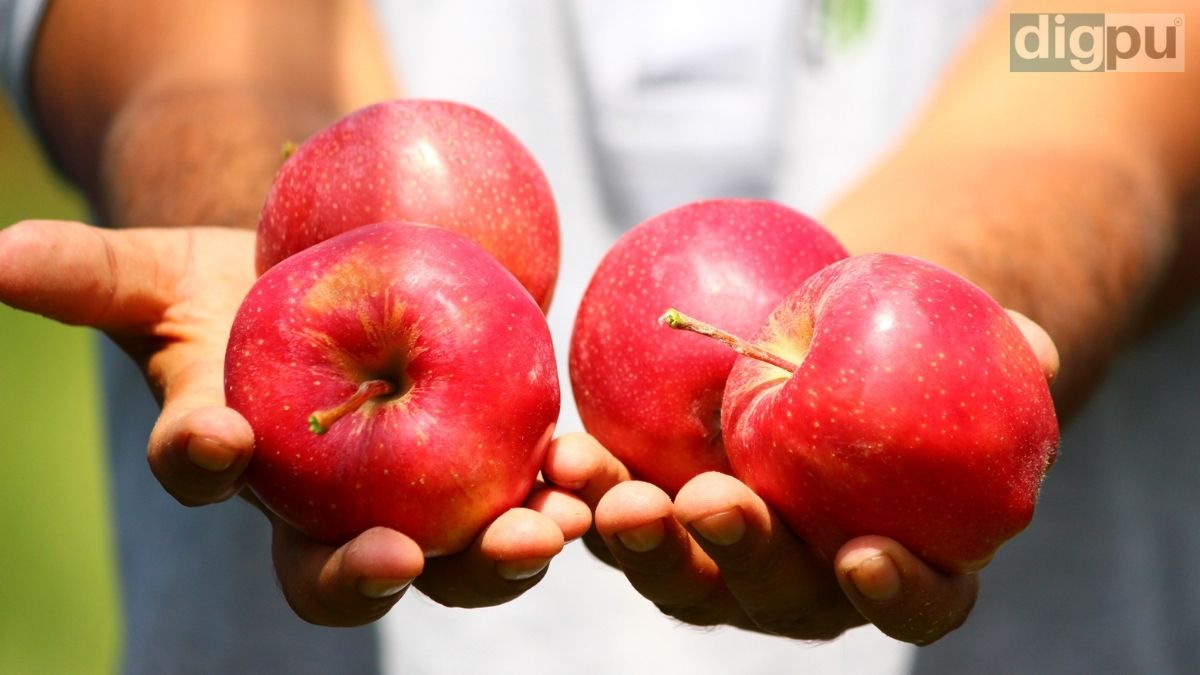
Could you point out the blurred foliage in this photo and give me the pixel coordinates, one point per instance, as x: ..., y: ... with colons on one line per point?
x: 58, y: 603
x: 845, y: 20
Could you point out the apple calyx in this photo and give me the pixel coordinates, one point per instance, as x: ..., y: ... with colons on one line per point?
x: 320, y: 421
x: 674, y: 318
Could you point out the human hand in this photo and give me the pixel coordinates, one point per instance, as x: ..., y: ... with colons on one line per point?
x: 718, y: 554
x: 168, y: 297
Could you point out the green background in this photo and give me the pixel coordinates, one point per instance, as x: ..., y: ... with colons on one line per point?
x: 58, y: 606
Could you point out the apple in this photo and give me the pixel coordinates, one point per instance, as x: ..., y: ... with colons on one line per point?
x: 903, y: 401
x: 654, y: 399
x: 432, y: 162
x: 394, y: 375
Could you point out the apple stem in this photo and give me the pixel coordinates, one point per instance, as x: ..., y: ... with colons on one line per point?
x: 289, y: 149
x: 677, y: 319
x: 320, y: 421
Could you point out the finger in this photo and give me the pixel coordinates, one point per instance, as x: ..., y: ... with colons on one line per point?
x: 1039, y: 340
x: 567, y: 511
x: 122, y: 282
x: 577, y: 462
x: 84, y: 275
x: 349, y: 585
x: 900, y: 594
x: 782, y: 584
x: 660, y: 559
x: 509, y: 558
x: 198, y: 448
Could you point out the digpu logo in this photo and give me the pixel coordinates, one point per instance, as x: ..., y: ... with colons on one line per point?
x: 1096, y: 42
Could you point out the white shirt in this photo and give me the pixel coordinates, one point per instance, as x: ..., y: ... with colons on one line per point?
x: 632, y: 107
x: 650, y: 105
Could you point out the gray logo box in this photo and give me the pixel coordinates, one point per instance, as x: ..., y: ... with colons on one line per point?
x: 1093, y: 42
x: 1056, y: 43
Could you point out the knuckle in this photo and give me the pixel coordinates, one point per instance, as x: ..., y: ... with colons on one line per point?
x: 698, y: 606
x: 320, y: 613
x: 813, y: 619
x: 739, y: 559
x: 189, y: 490
x: 322, y: 603
x: 696, y: 615
x: 472, y: 597
x: 205, y: 497
x: 810, y: 626
x: 923, y: 630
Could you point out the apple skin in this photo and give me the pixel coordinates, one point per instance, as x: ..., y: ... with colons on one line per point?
x: 412, y: 304
x: 918, y: 412
x: 653, y: 397
x: 433, y: 162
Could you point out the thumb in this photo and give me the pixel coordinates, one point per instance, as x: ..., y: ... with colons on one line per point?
x: 905, y: 598
x: 1040, y: 341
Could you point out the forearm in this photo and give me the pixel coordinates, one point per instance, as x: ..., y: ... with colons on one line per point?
x: 1075, y: 240
x: 175, y: 113
x: 197, y: 156
x: 1064, y: 195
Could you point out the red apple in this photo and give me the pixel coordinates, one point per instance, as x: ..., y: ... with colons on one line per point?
x: 916, y: 410
x: 425, y: 363
x: 654, y: 398
x: 433, y: 162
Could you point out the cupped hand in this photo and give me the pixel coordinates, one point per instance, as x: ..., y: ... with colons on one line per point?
x: 718, y: 555
x: 168, y: 297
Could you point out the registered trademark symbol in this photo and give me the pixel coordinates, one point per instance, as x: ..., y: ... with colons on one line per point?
x: 1179, y: 21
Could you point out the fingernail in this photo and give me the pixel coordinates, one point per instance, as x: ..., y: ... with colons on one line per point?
x: 643, y: 538
x: 876, y: 577
x: 378, y: 589
x: 724, y: 528
x: 207, y: 453
x: 519, y: 570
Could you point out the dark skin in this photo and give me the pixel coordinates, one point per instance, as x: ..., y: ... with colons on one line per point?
x: 129, y: 116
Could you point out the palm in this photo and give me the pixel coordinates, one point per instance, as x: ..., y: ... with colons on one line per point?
x: 168, y: 297
x: 717, y: 554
